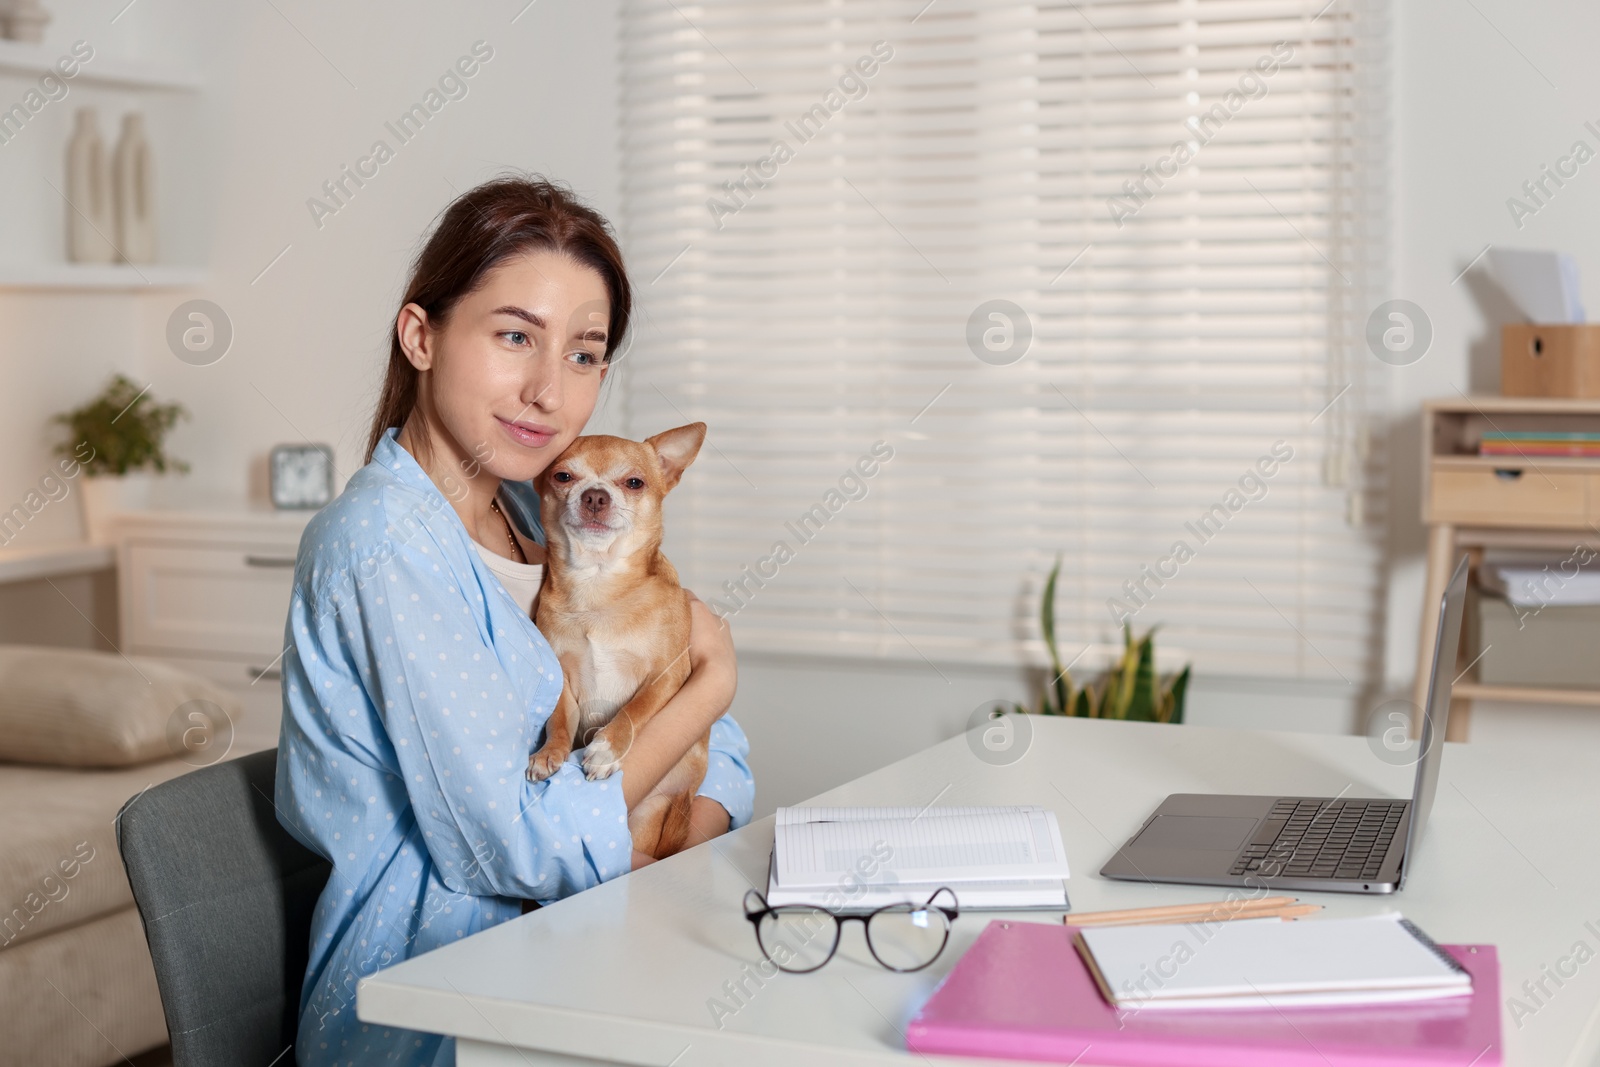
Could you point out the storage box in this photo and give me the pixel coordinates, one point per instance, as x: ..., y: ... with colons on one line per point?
x: 1562, y: 361
x: 1550, y: 646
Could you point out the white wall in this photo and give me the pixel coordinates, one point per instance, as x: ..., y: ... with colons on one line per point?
x: 1483, y: 100
x: 278, y: 117
x: 236, y: 166
x: 817, y: 723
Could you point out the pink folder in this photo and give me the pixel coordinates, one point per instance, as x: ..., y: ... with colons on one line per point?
x: 1022, y: 992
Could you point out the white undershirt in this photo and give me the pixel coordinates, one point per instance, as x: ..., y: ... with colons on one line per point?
x: 521, y: 580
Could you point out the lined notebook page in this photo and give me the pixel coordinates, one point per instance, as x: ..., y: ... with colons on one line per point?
x: 820, y: 847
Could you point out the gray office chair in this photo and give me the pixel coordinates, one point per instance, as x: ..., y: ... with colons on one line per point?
x: 226, y: 896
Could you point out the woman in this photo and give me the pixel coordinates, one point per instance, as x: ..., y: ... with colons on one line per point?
x: 416, y: 685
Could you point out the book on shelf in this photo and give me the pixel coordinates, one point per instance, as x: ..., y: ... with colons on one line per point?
x: 1538, y: 443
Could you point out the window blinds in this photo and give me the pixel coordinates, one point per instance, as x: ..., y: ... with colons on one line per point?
x: 964, y: 287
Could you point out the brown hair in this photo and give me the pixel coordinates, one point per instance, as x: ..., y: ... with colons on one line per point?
x: 480, y: 229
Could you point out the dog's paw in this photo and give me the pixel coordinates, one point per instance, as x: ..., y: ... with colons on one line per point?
x: 600, y: 760
x: 545, y: 762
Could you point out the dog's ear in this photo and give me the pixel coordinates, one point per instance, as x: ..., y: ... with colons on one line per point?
x: 677, y: 449
x: 541, y: 481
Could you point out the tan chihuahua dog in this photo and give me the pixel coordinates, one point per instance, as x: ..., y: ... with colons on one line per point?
x: 616, y: 617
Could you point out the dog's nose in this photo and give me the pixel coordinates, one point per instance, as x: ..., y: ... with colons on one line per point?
x: 596, y: 500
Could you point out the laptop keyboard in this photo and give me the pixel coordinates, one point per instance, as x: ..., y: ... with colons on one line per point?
x: 1322, y: 839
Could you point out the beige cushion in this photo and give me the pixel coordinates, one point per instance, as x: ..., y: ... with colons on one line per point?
x: 72, y: 708
x: 60, y: 863
x: 85, y: 997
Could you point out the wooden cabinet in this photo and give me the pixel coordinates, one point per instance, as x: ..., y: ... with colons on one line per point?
x: 1472, y: 503
x: 208, y: 591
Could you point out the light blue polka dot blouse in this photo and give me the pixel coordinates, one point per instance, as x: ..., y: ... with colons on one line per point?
x: 413, y: 692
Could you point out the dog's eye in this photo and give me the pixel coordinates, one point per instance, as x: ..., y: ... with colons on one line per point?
x: 562, y: 476
x: 634, y: 483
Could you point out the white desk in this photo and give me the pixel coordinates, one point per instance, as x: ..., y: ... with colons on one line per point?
x: 624, y: 973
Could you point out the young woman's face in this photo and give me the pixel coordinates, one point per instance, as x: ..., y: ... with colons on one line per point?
x: 515, y: 371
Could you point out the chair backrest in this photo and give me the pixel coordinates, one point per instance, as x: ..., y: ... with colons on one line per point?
x: 226, y: 896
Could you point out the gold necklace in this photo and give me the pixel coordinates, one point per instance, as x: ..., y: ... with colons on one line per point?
x: 511, y: 538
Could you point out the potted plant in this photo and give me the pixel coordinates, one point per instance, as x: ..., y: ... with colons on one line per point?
x: 117, y: 434
x: 1130, y: 690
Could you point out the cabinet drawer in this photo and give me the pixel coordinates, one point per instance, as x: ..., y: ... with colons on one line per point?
x: 258, y: 689
x: 1511, y: 496
x: 226, y: 600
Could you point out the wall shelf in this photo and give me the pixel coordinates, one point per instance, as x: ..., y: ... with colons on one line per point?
x: 52, y: 561
x: 1581, y: 464
x: 19, y: 57
x: 1526, y: 694
x: 90, y: 276
x: 1471, y: 503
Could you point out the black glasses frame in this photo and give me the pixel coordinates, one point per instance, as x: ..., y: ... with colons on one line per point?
x: 757, y: 914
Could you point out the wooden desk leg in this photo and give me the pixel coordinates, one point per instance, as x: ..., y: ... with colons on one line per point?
x: 1460, y: 720
x: 1441, y: 563
x: 1461, y: 707
x: 1441, y: 560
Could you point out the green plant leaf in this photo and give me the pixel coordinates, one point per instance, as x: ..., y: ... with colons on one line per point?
x: 1060, y: 687
x: 1118, y: 697
x: 121, y: 430
x: 1083, y: 704
x: 1130, y: 689
x: 1177, y: 693
x: 1144, y: 699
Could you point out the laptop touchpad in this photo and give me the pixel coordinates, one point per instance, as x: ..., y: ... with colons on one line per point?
x: 1197, y: 831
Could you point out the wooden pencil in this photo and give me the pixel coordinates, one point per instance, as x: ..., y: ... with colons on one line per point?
x: 1201, y: 909
x: 1295, y: 911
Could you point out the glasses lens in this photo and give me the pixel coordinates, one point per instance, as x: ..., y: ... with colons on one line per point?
x: 798, y: 939
x: 907, y: 936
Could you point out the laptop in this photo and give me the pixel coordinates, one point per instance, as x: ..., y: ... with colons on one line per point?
x: 1340, y: 844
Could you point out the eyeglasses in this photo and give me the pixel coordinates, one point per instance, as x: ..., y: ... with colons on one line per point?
x: 799, y: 938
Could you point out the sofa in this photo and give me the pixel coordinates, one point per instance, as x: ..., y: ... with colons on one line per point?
x: 81, y: 733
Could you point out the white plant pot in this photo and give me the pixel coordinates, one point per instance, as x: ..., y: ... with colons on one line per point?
x: 27, y: 21
x: 105, y: 496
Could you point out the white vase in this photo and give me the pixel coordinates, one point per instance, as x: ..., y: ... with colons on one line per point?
x: 90, y: 218
x: 26, y: 21
x: 133, y: 178
x: 105, y: 496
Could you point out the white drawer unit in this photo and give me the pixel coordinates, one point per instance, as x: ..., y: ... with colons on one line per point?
x: 257, y: 688
x: 228, y: 600
x: 208, y: 591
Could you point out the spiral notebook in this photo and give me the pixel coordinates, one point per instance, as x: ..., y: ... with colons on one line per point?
x: 1267, y: 962
x: 1023, y: 992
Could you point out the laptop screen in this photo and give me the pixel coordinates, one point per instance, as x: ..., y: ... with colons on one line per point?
x: 1436, y: 715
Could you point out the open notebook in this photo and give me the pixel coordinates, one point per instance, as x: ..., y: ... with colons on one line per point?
x: 864, y: 858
